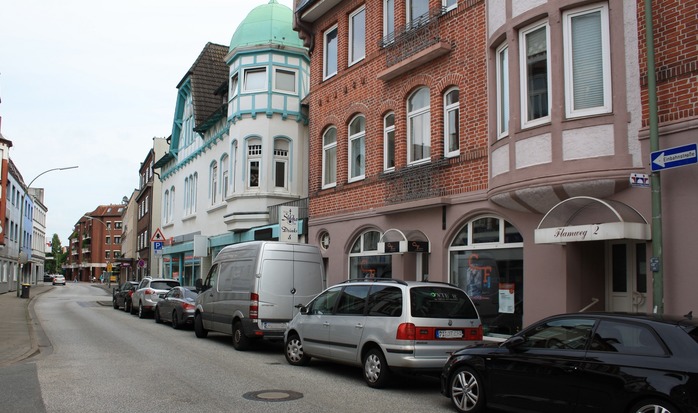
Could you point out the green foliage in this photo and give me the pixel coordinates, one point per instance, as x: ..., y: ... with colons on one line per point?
x: 55, y: 265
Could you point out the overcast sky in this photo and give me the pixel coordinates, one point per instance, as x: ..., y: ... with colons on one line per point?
x: 90, y: 83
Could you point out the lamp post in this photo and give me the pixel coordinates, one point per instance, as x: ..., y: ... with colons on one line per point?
x: 22, y: 258
x: 111, y: 240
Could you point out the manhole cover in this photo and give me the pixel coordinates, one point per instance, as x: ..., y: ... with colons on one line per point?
x: 272, y: 395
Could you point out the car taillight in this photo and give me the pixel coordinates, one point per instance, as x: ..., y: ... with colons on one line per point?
x: 188, y: 306
x: 148, y: 291
x: 474, y: 333
x: 406, y: 331
x: 130, y: 293
x: 254, y: 306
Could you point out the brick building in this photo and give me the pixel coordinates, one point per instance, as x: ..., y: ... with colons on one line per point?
x: 491, y: 144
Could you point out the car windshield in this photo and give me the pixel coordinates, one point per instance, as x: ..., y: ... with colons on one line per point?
x: 189, y: 295
x: 441, y: 302
x: 164, y: 285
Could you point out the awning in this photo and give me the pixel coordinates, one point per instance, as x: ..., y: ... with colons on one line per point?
x: 585, y: 218
x: 394, y: 241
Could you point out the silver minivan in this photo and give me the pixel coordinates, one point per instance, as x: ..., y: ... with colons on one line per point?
x: 384, y: 325
x: 253, y: 289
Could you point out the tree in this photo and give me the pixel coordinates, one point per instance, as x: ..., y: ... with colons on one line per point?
x: 56, y: 258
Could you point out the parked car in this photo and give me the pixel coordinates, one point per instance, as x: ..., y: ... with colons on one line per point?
x: 252, y: 290
x: 177, y: 307
x: 121, y: 295
x: 58, y: 279
x: 147, y: 294
x: 384, y: 325
x: 590, y: 362
x: 48, y: 278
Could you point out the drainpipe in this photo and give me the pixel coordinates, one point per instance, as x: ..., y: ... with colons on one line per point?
x: 656, y: 264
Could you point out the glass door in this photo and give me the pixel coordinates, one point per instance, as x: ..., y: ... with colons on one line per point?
x: 626, y: 276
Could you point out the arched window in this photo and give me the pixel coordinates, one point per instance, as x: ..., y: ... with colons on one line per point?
x: 357, y: 148
x: 281, y: 163
x: 486, y: 260
x: 364, y: 259
x: 254, y: 159
x: 389, y: 142
x: 451, y: 123
x: 225, y: 175
x: 329, y: 157
x: 213, y: 182
x: 419, y: 126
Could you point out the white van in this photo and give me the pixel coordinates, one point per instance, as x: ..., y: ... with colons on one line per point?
x: 253, y: 288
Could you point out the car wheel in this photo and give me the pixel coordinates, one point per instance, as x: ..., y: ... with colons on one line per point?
x: 141, y: 311
x: 114, y: 304
x: 376, y: 371
x: 175, y: 320
x: 467, y: 391
x: 157, y: 316
x: 294, y: 352
x: 199, y: 329
x: 240, y: 341
x: 134, y: 310
x: 127, y: 306
x: 653, y: 406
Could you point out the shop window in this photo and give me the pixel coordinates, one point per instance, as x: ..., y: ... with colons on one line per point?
x: 486, y: 260
x: 364, y: 259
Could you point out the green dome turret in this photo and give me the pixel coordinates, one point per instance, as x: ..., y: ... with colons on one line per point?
x: 269, y: 24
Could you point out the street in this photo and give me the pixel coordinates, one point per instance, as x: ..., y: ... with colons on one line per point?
x: 106, y: 360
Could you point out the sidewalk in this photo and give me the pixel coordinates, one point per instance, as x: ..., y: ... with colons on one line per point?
x: 18, y: 327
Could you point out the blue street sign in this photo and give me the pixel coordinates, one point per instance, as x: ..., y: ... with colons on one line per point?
x: 673, y: 157
x: 157, y: 245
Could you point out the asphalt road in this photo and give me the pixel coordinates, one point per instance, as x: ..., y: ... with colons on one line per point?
x: 110, y: 361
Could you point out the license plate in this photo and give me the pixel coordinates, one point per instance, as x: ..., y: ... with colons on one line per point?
x: 274, y: 326
x: 449, y: 333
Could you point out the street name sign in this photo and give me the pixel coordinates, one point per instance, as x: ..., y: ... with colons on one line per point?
x: 673, y: 157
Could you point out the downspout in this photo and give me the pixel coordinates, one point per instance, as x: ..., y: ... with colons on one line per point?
x: 656, y: 265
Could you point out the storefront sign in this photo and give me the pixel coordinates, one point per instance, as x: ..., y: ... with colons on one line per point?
x: 288, y: 224
x: 593, y: 232
x: 398, y: 247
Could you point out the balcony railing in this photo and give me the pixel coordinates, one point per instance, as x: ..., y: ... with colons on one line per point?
x: 418, y: 35
x: 302, y: 205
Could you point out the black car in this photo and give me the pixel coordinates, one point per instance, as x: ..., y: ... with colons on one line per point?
x: 582, y: 362
x: 121, y: 295
x: 177, y: 306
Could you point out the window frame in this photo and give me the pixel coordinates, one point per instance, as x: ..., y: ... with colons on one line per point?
x: 325, y: 74
x: 213, y: 182
x: 295, y: 80
x: 388, y: 22
x: 413, y: 22
x: 502, y: 90
x: 525, y: 123
x: 446, y: 7
x: 567, y: 16
x: 255, y: 69
x: 325, y: 148
x: 351, y: 50
x: 424, y: 111
x: 234, y: 84
x: 448, y: 109
x: 361, y: 137
x: 254, y: 158
x: 281, y: 159
x: 388, y: 152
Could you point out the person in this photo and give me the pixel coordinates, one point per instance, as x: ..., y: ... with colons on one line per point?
x: 101, y: 279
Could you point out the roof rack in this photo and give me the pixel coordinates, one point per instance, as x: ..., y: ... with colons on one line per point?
x: 373, y: 279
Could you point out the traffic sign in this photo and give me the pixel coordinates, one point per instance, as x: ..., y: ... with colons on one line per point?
x: 157, y: 236
x: 673, y: 157
x: 157, y: 247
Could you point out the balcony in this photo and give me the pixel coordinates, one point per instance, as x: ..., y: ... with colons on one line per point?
x: 413, y: 45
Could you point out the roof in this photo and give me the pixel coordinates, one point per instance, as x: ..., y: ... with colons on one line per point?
x: 268, y: 24
x: 206, y: 75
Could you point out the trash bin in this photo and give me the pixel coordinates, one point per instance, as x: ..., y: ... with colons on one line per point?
x: 25, y: 290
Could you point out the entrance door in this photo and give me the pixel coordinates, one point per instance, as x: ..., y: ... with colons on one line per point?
x: 626, y: 276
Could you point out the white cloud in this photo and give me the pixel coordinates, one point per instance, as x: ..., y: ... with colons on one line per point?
x: 90, y: 83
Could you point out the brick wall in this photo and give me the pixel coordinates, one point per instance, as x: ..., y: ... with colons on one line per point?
x: 676, y: 59
x: 357, y: 90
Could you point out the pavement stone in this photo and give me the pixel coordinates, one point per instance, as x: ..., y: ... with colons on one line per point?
x: 18, y: 325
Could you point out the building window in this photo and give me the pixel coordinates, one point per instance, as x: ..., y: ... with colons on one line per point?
x: 451, y: 123
x: 285, y: 80
x: 486, y: 260
x: 254, y: 157
x: 535, y: 79
x: 172, y: 204
x: 587, y: 61
x: 417, y: 13
x: 364, y: 259
x: 225, y: 176
x: 187, y: 132
x: 329, y: 158
x: 233, y: 166
x: 255, y: 79
x: 449, y: 4
x: 281, y: 164
x: 234, y: 85
x: 190, y: 184
x: 213, y: 182
x: 388, y: 21
x: 330, y: 53
x: 389, y: 142
x: 357, y: 148
x: 502, y: 91
x: 357, y: 35
x: 419, y: 126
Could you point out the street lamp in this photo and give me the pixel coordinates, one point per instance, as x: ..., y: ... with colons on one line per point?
x: 22, y: 258
x: 111, y: 237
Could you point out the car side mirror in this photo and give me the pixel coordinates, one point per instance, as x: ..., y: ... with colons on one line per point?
x: 199, y: 284
x: 514, y: 342
x: 302, y: 309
